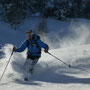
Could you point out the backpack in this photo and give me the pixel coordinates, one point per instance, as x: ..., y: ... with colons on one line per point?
x: 35, y: 42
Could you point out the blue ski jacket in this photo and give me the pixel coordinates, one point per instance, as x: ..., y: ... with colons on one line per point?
x: 32, y: 47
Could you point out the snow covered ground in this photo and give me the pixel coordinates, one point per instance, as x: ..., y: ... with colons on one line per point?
x: 68, y: 41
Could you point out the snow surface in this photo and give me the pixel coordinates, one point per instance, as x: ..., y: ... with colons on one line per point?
x: 68, y: 41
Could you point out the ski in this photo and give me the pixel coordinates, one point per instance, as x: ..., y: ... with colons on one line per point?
x: 20, y: 81
x: 16, y: 80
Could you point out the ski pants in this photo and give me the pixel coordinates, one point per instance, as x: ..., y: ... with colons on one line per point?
x: 29, y: 64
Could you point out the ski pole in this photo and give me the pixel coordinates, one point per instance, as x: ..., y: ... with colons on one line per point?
x: 6, y: 66
x: 59, y: 60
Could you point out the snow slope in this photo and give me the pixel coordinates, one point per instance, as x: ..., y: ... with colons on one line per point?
x: 51, y: 74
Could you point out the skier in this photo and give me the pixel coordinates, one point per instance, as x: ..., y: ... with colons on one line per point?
x: 34, y: 45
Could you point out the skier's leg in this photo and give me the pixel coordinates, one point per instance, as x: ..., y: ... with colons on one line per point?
x: 26, y: 69
x: 32, y: 65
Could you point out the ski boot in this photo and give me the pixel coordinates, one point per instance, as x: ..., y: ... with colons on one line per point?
x: 25, y: 79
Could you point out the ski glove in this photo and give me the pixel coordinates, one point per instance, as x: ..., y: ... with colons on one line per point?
x: 14, y: 48
x: 46, y: 51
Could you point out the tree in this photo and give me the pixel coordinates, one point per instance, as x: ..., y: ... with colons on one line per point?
x: 87, y: 10
x: 14, y: 12
x: 61, y: 9
x: 77, y: 7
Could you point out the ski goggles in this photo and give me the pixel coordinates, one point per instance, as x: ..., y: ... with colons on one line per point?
x: 29, y: 33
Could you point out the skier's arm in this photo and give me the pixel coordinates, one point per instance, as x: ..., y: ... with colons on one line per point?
x: 22, y: 47
x: 43, y: 45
